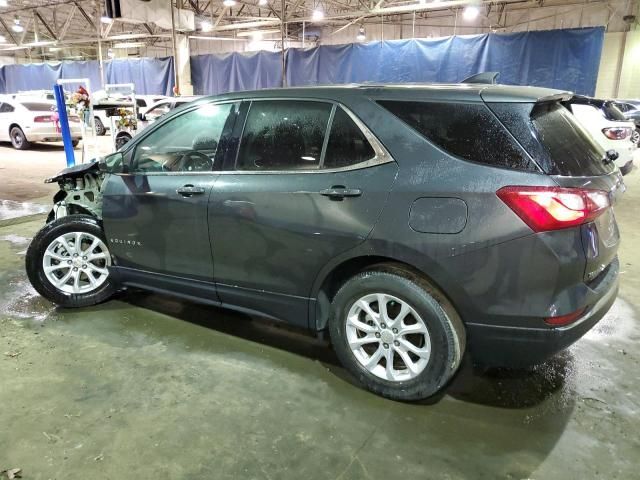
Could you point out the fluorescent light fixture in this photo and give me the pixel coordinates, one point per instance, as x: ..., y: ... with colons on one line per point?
x: 262, y: 3
x: 4, y: 3
x: 105, y: 19
x: 55, y: 49
x: 128, y: 45
x: 206, y: 26
x: 471, y: 12
x: 228, y: 3
x: 317, y: 15
x: 3, y: 39
x: 39, y: 44
x: 422, y: 2
x: 362, y: 36
x: 260, y: 33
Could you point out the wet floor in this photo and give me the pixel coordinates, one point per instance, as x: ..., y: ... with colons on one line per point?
x: 146, y: 386
x: 13, y: 209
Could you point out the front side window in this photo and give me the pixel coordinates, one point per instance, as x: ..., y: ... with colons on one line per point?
x: 187, y: 143
x: 466, y: 130
x: 283, y: 135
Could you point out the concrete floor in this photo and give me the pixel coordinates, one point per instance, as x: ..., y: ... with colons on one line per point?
x: 146, y: 387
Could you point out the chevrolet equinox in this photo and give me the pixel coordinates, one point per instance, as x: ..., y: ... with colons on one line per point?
x: 414, y: 223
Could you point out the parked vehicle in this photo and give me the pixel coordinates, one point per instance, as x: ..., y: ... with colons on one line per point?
x: 161, y: 108
x: 413, y: 223
x: 24, y: 121
x: 102, y: 109
x: 608, y: 126
x: 631, y: 111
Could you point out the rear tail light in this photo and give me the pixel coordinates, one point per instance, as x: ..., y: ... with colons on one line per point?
x: 617, y: 133
x: 43, y: 119
x: 554, y: 208
x: 563, y: 320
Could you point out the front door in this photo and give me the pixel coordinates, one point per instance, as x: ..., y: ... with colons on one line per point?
x: 155, y: 215
x: 294, y: 200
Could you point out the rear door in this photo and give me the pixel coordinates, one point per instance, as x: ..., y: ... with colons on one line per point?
x: 155, y: 216
x: 308, y: 183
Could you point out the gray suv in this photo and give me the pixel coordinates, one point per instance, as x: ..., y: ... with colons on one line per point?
x: 414, y: 223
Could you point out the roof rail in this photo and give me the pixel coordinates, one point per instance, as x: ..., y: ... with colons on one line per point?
x: 484, y: 77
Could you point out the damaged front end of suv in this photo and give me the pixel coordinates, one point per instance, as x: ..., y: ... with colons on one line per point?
x: 81, y: 188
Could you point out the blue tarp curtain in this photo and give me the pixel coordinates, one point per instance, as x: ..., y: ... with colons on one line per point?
x: 150, y: 75
x: 564, y: 59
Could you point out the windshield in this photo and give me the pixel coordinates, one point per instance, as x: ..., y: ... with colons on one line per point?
x: 39, y: 106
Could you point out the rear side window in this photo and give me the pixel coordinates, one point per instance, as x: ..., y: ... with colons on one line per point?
x: 283, y: 135
x: 347, y: 144
x: 6, y: 108
x: 554, y: 138
x: 467, y: 130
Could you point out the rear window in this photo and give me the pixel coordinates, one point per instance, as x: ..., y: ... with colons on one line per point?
x: 38, y: 107
x: 554, y: 138
x: 466, y: 130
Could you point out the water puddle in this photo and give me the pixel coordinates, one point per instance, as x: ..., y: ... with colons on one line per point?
x: 12, y: 209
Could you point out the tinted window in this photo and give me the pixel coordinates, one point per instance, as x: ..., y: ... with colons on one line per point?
x: 5, y: 108
x: 611, y: 112
x: 347, y: 144
x: 140, y: 102
x: 187, y: 143
x: 38, y: 107
x: 467, y: 130
x: 283, y: 135
x: 554, y: 138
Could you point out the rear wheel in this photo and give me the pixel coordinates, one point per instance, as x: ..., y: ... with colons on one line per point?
x: 67, y: 262
x: 635, y: 136
x: 100, y: 129
x: 75, y: 143
x: 396, y: 333
x: 122, y: 139
x: 18, y: 139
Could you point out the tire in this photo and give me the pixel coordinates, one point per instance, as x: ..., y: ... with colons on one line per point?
x: 441, y: 348
x: 635, y: 136
x: 18, y: 139
x: 75, y: 143
x: 46, y: 249
x: 100, y: 129
x: 122, y: 140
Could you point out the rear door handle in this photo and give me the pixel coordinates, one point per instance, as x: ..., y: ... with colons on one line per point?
x: 338, y: 192
x: 189, y: 190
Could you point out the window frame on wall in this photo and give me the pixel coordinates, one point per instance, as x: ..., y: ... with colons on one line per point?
x: 381, y: 155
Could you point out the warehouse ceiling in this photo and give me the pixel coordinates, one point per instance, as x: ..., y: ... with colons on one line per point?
x: 74, y: 29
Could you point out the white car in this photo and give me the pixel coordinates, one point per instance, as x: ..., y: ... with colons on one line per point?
x: 160, y: 108
x: 102, y: 119
x: 23, y: 121
x: 608, y: 126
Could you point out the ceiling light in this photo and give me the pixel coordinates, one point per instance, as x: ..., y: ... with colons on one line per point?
x: 55, y: 49
x: 4, y: 3
x: 229, y: 3
x: 262, y: 3
x: 471, y: 12
x: 317, y: 15
x: 128, y: 45
x: 105, y: 19
x: 261, y: 33
x: 206, y: 26
x: 361, y: 35
x: 16, y: 27
x: 3, y: 39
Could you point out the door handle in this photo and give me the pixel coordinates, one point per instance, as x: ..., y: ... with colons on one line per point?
x: 338, y: 192
x: 188, y: 190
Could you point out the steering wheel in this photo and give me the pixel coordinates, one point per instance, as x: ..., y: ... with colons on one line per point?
x: 195, y: 162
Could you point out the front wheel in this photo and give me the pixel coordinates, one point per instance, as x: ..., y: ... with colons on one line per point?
x: 396, y: 333
x: 67, y: 262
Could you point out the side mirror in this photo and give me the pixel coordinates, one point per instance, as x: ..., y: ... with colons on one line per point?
x: 113, y: 163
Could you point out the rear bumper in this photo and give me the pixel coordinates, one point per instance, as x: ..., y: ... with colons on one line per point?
x: 49, y: 133
x: 507, y: 346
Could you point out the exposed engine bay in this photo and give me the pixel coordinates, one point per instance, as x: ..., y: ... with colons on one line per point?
x: 80, y: 191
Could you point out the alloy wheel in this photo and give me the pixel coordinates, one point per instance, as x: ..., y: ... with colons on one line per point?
x: 388, y: 337
x: 76, y: 262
